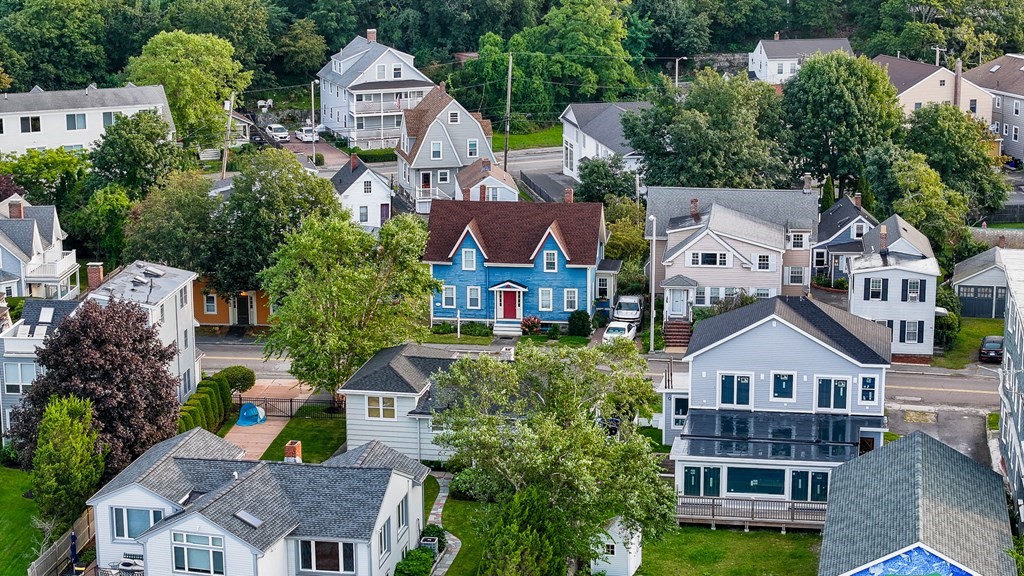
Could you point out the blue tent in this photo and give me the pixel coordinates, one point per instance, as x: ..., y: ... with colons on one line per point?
x: 251, y: 414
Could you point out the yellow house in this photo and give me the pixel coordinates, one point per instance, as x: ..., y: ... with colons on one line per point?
x: 919, y: 84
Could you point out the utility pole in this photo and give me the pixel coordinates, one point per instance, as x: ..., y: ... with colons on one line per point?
x: 227, y: 140
x: 312, y: 118
x: 937, y: 50
x: 508, y: 110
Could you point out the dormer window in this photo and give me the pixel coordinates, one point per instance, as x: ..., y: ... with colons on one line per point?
x: 796, y: 241
x: 453, y: 117
x: 550, y: 261
x: 859, y: 229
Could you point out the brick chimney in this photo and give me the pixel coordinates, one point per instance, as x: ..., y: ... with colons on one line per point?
x: 15, y: 210
x: 487, y: 164
x: 776, y: 35
x: 569, y: 195
x: 443, y: 87
x: 371, y: 34
x: 355, y: 162
x: 883, y: 240
x: 293, y: 452
x: 694, y: 208
x: 1002, y: 241
x: 465, y: 194
x: 856, y: 199
x: 95, y: 274
x: 483, y: 193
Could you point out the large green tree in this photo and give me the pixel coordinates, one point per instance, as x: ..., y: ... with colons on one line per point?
x: 68, y: 462
x: 61, y: 42
x: 600, y: 177
x: 536, y: 425
x: 198, y: 72
x: 881, y: 178
x: 930, y: 206
x: 679, y: 27
x: 839, y: 107
x: 959, y: 148
x: 135, y: 152
x: 342, y: 294
x: 302, y: 50
x: 53, y: 176
x: 100, y: 222
x: 245, y: 24
x: 272, y: 194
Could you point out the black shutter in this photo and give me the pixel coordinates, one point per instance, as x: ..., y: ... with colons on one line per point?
x: 903, y: 330
x: 889, y: 324
x: 920, y: 331
x: 906, y: 285
x: 867, y: 288
x: 923, y: 294
x: 885, y: 289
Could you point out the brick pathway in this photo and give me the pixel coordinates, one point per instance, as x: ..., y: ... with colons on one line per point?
x: 256, y: 439
x: 436, y: 513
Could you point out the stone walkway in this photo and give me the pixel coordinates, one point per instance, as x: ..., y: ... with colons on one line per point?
x: 256, y: 439
x: 436, y: 513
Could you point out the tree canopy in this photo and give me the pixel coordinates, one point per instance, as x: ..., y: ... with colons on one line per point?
x: 135, y: 152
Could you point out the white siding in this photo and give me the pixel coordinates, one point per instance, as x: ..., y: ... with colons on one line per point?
x: 239, y: 558
x: 627, y: 557
x: 403, y: 433
x: 276, y: 560
x: 53, y: 128
x: 107, y: 549
x: 356, y: 196
x: 893, y: 308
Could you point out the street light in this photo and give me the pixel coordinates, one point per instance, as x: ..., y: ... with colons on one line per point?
x: 677, y: 68
x: 312, y: 117
x: 654, y: 235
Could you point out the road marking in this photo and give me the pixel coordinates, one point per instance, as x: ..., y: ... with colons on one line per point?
x: 260, y: 358
x: 943, y: 390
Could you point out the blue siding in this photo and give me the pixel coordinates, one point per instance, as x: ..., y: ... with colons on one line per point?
x: 533, y: 278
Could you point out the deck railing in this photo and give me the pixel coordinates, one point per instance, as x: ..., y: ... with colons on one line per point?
x: 753, y: 511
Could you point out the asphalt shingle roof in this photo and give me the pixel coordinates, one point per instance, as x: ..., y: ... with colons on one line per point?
x: 418, y: 119
x: 46, y: 220
x: 793, y: 209
x: 804, y: 47
x: 366, y: 51
x: 863, y: 340
x: 405, y: 368
x: 839, y: 215
x: 511, y: 231
x: 916, y: 489
x: 602, y: 121
x: 84, y: 99
x: 977, y: 263
x: 905, y: 73
x: 1008, y: 78
x: 374, y: 454
x: 22, y: 233
x: 61, y: 310
x: 896, y: 228
x: 475, y: 173
x: 737, y: 224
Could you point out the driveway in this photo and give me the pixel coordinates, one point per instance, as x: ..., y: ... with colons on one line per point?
x: 333, y: 158
x: 963, y: 429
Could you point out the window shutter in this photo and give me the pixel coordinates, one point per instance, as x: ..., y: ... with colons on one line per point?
x: 903, y: 330
x: 922, y: 296
x: 867, y: 289
x: 889, y: 324
x: 728, y: 260
x: 885, y: 289
x: 920, y: 331
x: 906, y: 284
x: 772, y: 266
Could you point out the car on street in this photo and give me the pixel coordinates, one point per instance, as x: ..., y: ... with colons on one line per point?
x: 619, y: 330
x: 278, y: 132
x: 628, y: 308
x: 307, y: 134
x: 991, y: 349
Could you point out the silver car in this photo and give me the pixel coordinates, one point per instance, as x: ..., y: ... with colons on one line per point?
x: 628, y: 309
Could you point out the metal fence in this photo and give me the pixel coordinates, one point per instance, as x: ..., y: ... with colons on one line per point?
x: 535, y: 189
x: 296, y: 407
x: 57, y: 558
x: 776, y: 512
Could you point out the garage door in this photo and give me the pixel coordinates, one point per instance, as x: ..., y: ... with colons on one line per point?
x: 977, y: 301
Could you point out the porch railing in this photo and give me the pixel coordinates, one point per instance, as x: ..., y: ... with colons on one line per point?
x: 385, y: 106
x: 54, y: 266
x: 754, y: 511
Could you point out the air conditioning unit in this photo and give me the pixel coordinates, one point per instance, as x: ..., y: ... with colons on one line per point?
x: 429, y: 542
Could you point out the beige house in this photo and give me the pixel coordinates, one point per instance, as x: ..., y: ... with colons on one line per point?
x: 919, y: 84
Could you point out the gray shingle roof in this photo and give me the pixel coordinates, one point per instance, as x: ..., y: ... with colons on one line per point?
x: 804, y: 47
x: 793, y: 209
x: 46, y: 220
x: 348, y: 174
x: 1008, y: 77
x: 84, y: 99
x: 22, y: 233
x: 61, y: 310
x: 405, y: 368
x: 863, y: 340
x: 896, y: 228
x: 364, y: 53
x: 920, y: 491
x: 734, y: 223
x: 374, y: 454
x: 602, y: 121
x: 904, y: 73
x: 678, y: 281
x: 977, y: 263
x: 839, y: 216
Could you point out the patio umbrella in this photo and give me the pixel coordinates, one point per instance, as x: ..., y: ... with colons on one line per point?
x: 74, y: 548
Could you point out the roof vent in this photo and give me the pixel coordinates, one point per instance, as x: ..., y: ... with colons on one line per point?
x: 139, y: 281
x: 153, y: 272
x: 248, y: 519
x: 994, y: 68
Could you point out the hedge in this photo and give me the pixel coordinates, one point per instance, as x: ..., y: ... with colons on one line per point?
x: 225, y: 392
x: 213, y: 388
x: 379, y: 155
x: 209, y: 416
x: 196, y: 412
x: 417, y: 562
x: 240, y: 378
x: 185, y: 420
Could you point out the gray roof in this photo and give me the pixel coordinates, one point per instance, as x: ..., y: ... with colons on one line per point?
x: 839, y: 216
x: 375, y: 454
x: 920, y: 491
x: 896, y: 228
x: 733, y: 223
x: 1003, y: 74
x: 46, y: 220
x: 903, y: 73
x: 863, y: 340
x: 793, y: 209
x: 804, y: 47
x: 405, y: 368
x: 393, y: 84
x: 61, y: 309
x: 87, y: 98
x: 921, y: 264
x: 602, y: 121
x: 995, y: 236
x: 361, y: 54
x: 851, y: 247
x: 607, y: 265
x: 978, y: 263
x: 143, y: 283
x: 345, y: 177
x: 678, y: 281
x: 21, y: 232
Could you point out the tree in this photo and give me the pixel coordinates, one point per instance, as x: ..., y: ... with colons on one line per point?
x: 625, y: 229
x: 828, y: 195
x: 726, y: 133
x: 111, y: 356
x: 68, y: 462
x: 335, y: 21
x: 245, y: 24
x: 520, y: 542
x: 839, y: 107
x: 100, y: 223
x: 679, y: 27
x: 60, y: 42
x: 174, y: 223
x: 600, y: 177
x: 880, y: 177
x: 302, y: 50
x: 54, y: 176
x: 9, y: 188
x: 959, y: 148
x: 135, y: 152
x: 198, y: 72
x: 343, y: 295
x: 536, y: 424
x: 272, y: 195
x: 930, y: 206
x: 5, y: 79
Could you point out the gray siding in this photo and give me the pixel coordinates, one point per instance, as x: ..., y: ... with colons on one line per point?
x: 1004, y: 115
x: 990, y: 277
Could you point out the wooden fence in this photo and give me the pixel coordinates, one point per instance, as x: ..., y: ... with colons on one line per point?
x: 55, y: 559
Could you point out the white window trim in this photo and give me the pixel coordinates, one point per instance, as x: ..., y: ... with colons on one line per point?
x: 540, y: 299
x: 718, y: 389
x: 206, y: 303
x: 469, y: 259
x: 824, y: 258
x: 787, y: 271
x: 402, y: 514
x: 382, y: 71
x: 381, y: 398
x: 124, y: 516
x: 672, y: 411
x: 718, y: 255
x: 440, y: 151
x: 792, y: 236
x: 833, y: 378
x: 999, y: 101
x: 455, y: 299
x: 871, y: 289
x: 906, y: 332
x: 23, y: 387
x: 555, y: 253
x: 860, y: 378
x: 211, y: 547
x: 565, y: 299
x: 757, y: 263
x: 443, y: 176
x: 771, y: 385
x: 911, y: 291
x: 384, y: 540
x: 341, y: 556
x: 470, y: 153
x: 469, y: 300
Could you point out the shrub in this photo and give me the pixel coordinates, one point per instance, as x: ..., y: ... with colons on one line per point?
x: 185, y: 422
x: 196, y: 412
x: 477, y: 329
x: 702, y: 312
x: 443, y: 328
x: 554, y: 332
x: 579, y: 323
x: 210, y: 421
x: 318, y: 159
x: 240, y: 378
x: 14, y: 306
x: 417, y: 562
x: 225, y: 392
x: 530, y: 325
x: 600, y: 320
x: 8, y: 455
x: 371, y: 156
x: 435, y: 531
x: 210, y: 389
x: 181, y: 426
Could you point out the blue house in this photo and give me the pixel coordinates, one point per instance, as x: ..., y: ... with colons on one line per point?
x: 500, y: 262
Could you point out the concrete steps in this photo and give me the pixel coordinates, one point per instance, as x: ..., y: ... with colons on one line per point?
x: 508, y: 328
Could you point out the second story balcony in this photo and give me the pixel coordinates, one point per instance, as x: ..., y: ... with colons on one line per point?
x: 52, y: 266
x: 384, y: 104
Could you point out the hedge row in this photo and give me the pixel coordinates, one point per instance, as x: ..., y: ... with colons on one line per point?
x: 211, y: 403
x: 379, y: 155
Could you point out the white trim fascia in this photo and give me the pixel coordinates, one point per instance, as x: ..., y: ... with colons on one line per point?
x: 903, y: 550
x: 507, y: 265
x: 683, y: 229
x: 901, y: 268
x: 92, y: 501
x: 729, y: 247
x: 733, y: 461
x: 682, y: 249
x: 543, y: 238
x: 179, y: 521
x: 462, y: 237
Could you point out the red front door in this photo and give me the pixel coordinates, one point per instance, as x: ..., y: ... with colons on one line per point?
x: 508, y: 304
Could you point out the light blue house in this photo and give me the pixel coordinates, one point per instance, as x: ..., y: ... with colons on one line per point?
x: 840, y: 230
x: 500, y: 262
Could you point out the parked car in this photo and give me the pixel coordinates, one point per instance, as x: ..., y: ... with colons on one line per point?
x: 628, y: 309
x: 278, y: 132
x: 619, y: 330
x: 991, y: 349
x: 307, y: 134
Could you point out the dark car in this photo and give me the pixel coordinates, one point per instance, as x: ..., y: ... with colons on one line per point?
x: 991, y: 349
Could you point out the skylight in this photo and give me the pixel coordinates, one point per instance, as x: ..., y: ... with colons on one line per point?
x: 994, y: 68
x: 248, y: 518
x: 46, y: 315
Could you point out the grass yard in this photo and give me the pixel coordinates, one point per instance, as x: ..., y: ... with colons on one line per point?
x: 546, y: 138
x: 320, y: 437
x: 430, y: 491
x: 463, y: 519
x: 570, y: 341
x: 972, y: 330
x: 724, y: 552
x: 654, y: 435
x: 17, y: 536
x: 992, y: 421
x: 229, y: 422
x: 453, y: 339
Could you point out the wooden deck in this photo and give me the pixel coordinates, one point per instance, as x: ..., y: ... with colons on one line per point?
x: 747, y: 512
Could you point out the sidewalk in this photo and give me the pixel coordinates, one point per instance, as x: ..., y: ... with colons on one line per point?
x: 436, y: 513
x: 972, y: 371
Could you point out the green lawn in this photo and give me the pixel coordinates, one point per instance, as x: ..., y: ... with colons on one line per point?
x: 993, y: 421
x: 654, y: 435
x: 570, y: 341
x: 723, y: 552
x: 17, y: 536
x: 462, y: 519
x: 430, y: 491
x: 546, y: 138
x: 453, y: 339
x: 972, y: 330
x: 229, y: 422
x: 320, y: 438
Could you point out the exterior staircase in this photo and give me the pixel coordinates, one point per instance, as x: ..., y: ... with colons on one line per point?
x: 677, y: 333
x: 508, y: 328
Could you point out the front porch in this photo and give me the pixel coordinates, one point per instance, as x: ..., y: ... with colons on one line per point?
x: 508, y: 308
x: 678, y: 313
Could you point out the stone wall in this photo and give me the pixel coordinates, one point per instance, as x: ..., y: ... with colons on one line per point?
x: 731, y: 62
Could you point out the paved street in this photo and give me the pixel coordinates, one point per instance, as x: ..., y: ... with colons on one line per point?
x: 979, y: 388
x: 220, y: 354
x: 533, y: 159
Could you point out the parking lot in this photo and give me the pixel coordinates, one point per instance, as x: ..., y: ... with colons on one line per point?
x: 333, y: 158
